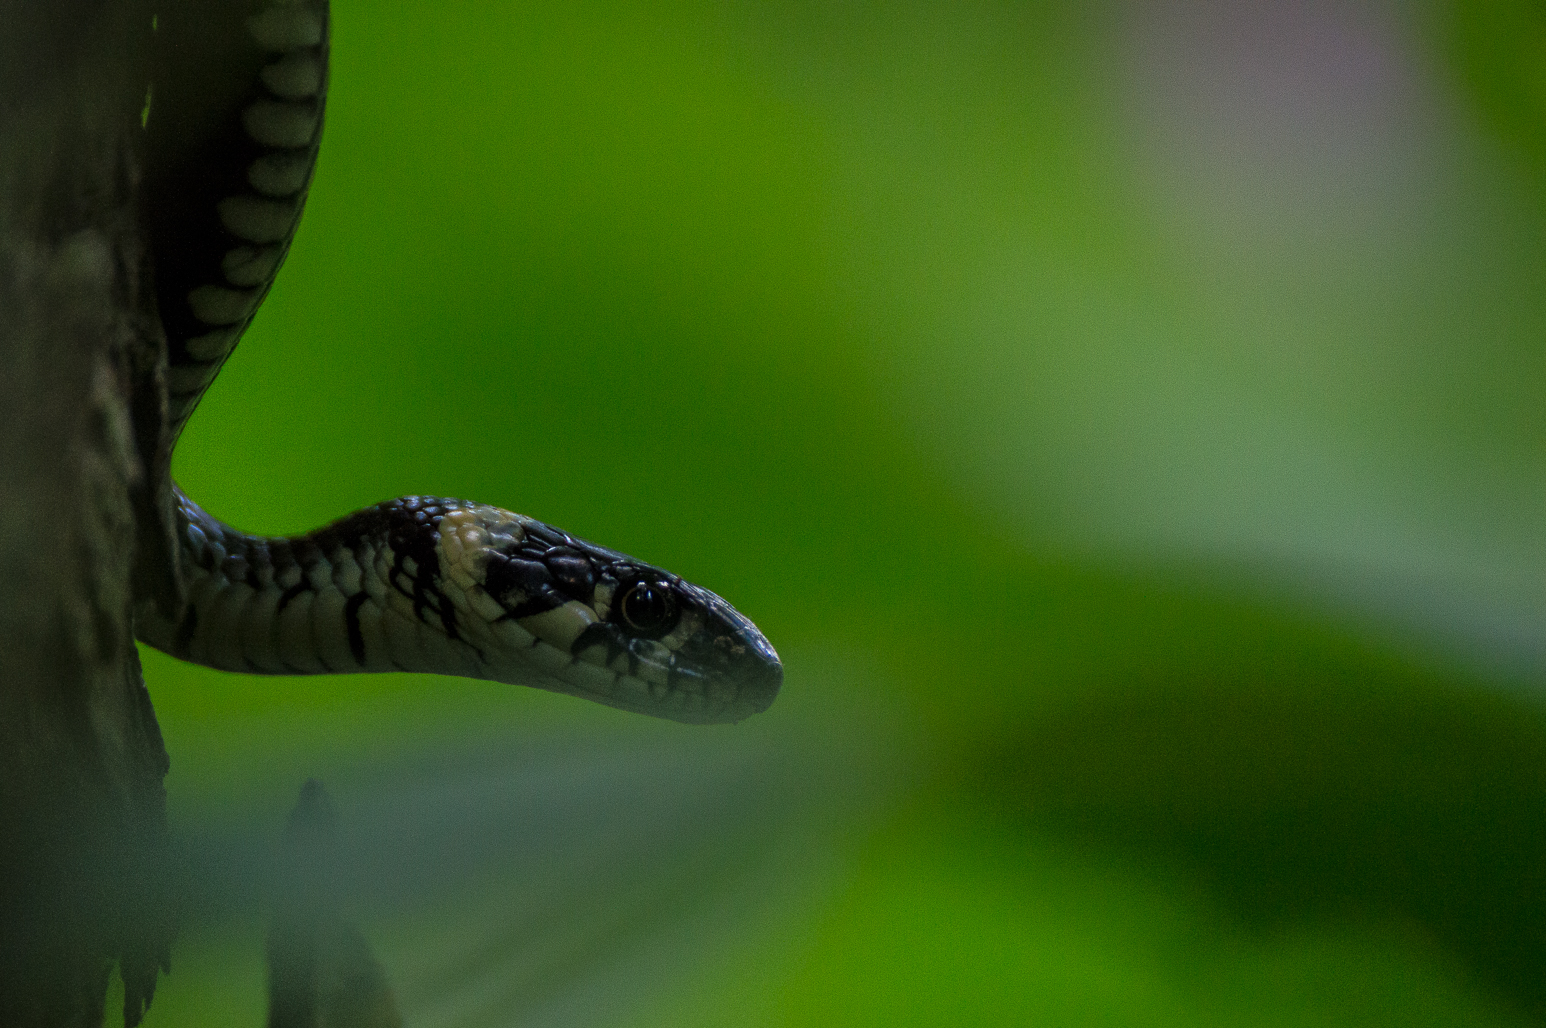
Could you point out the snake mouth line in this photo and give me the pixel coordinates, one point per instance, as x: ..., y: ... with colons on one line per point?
x: 737, y: 700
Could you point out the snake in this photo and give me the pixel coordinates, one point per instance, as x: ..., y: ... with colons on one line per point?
x: 232, y: 123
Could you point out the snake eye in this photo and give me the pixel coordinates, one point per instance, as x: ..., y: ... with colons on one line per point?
x: 649, y: 608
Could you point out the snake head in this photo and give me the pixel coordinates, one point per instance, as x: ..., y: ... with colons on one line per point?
x: 564, y: 614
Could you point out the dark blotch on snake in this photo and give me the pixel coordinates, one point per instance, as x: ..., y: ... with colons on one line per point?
x: 189, y: 625
x: 523, y: 587
x: 352, y: 622
x: 413, y: 532
x: 291, y: 593
x: 573, y: 573
x: 598, y: 634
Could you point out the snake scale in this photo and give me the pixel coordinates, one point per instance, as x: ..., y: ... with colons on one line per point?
x: 232, y: 124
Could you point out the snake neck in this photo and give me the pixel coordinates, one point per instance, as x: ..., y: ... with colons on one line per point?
x: 315, y: 603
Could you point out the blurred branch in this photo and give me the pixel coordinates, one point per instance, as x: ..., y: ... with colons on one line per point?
x: 321, y: 972
x: 81, y: 756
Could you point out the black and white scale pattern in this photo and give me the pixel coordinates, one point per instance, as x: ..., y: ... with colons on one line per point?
x: 420, y: 584
x: 226, y: 192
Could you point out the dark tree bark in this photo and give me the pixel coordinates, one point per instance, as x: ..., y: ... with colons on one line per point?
x: 82, y: 806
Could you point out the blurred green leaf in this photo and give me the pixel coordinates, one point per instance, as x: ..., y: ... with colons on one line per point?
x: 1499, y: 47
x: 898, y: 325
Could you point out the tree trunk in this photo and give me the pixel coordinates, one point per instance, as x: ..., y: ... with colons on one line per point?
x: 82, y: 806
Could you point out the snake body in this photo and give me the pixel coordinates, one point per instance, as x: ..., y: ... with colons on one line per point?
x: 413, y: 584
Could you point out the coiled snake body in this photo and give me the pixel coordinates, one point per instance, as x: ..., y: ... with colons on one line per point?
x: 414, y: 584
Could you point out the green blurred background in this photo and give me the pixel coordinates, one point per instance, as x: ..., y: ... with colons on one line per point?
x: 1127, y: 420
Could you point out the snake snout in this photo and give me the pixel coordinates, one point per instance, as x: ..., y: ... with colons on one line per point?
x: 731, y: 652
x: 757, y: 672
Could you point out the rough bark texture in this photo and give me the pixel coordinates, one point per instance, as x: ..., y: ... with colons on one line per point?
x: 82, y: 807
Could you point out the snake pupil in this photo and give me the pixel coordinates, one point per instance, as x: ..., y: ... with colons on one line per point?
x: 648, y: 608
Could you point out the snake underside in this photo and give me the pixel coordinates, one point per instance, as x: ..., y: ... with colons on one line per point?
x: 234, y: 118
